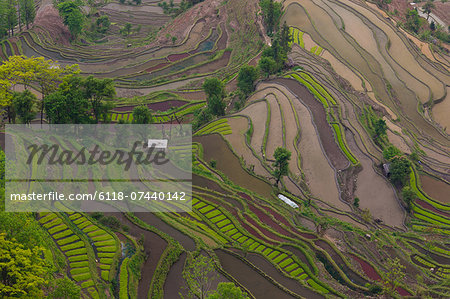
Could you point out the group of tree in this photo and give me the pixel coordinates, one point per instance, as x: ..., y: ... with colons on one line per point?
x: 66, y: 97
x: 27, y: 72
x: 274, y: 57
x: 200, y: 276
x: 15, y: 12
x: 215, y: 92
x: 137, y: 2
x: 271, y: 11
x: 399, y: 165
x: 72, y: 15
x: 80, y: 100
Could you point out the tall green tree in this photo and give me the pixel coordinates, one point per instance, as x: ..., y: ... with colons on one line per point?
x: 28, y: 12
x: 390, y: 152
x: 281, y: 164
x: 98, y: 91
x: 228, y: 290
x: 271, y: 12
x: 142, y: 115
x: 399, y: 169
x: 246, y: 79
x: 70, y: 11
x: 11, y: 16
x: 215, y: 92
x: 413, y: 20
x: 23, y: 103
x: 267, y: 65
x: 285, y: 38
x: 200, y: 275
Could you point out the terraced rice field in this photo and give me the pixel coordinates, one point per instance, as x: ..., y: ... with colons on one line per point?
x: 331, y: 226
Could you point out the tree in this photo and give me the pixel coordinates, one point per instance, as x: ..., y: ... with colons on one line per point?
x: 394, y: 275
x: 412, y: 20
x: 21, y: 270
x: 271, y: 12
x: 281, y: 164
x: 432, y: 26
x: 215, y: 92
x: 267, y: 66
x: 285, y: 38
x: 427, y: 8
x: 356, y: 202
x: 400, y: 168
x: 246, y: 79
x: 70, y: 12
x: 227, y: 290
x: 380, y: 128
x: 200, y: 275
x: 97, y: 91
x: 408, y: 197
x: 103, y: 24
x: 126, y: 30
x: 142, y: 115
x: 391, y: 152
x: 11, y: 16
x: 28, y: 11
x: 201, y: 117
x: 23, y: 103
x: 65, y: 288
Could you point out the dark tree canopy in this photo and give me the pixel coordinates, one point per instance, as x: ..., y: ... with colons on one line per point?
x: 281, y: 164
x: 400, y: 168
x: 23, y: 103
x: 228, y: 290
x: 142, y: 115
x: 215, y: 92
x: 246, y: 79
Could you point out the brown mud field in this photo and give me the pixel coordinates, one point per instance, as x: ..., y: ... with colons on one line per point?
x: 154, y: 246
x: 174, y: 281
x: 258, y: 285
x: 152, y: 219
x: 436, y: 189
x: 288, y: 283
x: 326, y: 135
x: 215, y: 148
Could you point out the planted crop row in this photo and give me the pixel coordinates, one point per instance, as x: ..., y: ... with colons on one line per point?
x: 72, y: 247
x: 310, y: 88
x: 123, y: 287
x: 220, y: 126
x: 415, y: 187
x: 104, y: 242
x: 228, y: 228
x: 343, y: 144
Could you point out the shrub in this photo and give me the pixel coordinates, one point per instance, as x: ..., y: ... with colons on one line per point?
x: 111, y: 222
x: 375, y: 289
